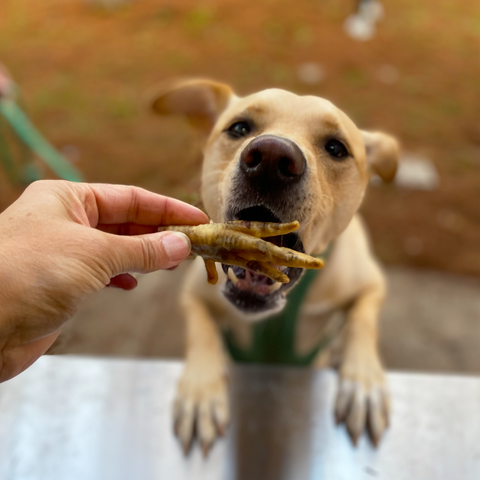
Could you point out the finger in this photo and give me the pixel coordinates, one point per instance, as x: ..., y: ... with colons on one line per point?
x: 147, y: 253
x: 126, y: 228
x: 125, y: 281
x: 115, y: 204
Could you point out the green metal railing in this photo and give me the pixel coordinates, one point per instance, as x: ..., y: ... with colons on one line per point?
x: 20, y: 141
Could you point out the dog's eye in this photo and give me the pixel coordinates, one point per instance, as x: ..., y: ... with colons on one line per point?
x: 239, y: 129
x: 336, y: 149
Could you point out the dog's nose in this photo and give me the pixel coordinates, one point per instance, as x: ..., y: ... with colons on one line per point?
x: 273, y: 159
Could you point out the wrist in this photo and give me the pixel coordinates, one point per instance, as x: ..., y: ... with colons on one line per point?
x: 9, y: 291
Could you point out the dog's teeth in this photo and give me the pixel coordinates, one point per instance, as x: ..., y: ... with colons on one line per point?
x: 282, y: 269
x: 231, y: 275
x: 275, y: 287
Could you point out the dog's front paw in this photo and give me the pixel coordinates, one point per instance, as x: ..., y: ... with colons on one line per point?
x: 362, y: 398
x: 201, y: 407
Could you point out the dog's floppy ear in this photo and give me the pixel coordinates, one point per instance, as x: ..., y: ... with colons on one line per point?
x: 200, y: 100
x: 382, y: 154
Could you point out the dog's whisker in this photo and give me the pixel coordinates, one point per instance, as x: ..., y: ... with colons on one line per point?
x: 212, y: 174
x: 220, y: 170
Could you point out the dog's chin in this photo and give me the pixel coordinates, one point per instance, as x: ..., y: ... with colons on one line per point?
x: 254, y: 294
x: 256, y: 306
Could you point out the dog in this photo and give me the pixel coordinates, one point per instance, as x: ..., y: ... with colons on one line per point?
x: 275, y: 156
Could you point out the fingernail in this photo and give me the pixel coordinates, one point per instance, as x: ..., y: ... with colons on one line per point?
x: 177, y: 246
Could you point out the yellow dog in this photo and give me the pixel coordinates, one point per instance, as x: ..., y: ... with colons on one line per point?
x: 277, y: 157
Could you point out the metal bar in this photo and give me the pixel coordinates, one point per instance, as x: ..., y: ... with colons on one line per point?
x: 36, y: 142
x: 82, y: 418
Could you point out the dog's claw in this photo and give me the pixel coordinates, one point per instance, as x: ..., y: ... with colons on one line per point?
x: 200, y: 409
x: 356, y: 417
x: 362, y: 406
x: 205, y: 449
x: 186, y: 447
x: 221, y: 414
x: 205, y: 426
x: 378, y: 414
x: 344, y: 398
x: 184, y: 412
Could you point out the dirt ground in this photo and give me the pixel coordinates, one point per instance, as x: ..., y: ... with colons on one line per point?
x: 85, y: 73
x: 430, y: 322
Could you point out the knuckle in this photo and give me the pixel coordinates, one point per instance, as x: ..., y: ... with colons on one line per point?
x: 149, y: 253
x: 38, y: 185
x: 134, y: 208
x: 45, y: 184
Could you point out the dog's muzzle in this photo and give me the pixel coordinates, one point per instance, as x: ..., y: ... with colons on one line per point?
x: 273, y: 172
x: 268, y: 186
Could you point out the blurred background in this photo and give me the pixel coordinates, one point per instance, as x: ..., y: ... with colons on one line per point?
x: 411, y: 68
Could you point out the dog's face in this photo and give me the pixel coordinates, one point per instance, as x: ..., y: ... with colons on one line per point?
x: 275, y: 156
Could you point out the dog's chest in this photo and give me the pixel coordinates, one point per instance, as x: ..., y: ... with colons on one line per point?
x: 295, y: 336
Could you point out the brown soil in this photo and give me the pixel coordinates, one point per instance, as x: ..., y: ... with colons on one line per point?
x: 84, y: 70
x: 430, y: 321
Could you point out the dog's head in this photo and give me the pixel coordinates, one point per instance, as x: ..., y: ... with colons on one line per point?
x: 278, y: 157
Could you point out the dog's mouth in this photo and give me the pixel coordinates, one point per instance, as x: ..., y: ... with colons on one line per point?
x: 252, y: 292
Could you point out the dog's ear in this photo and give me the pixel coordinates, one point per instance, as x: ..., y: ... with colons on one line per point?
x: 200, y: 100
x: 382, y: 154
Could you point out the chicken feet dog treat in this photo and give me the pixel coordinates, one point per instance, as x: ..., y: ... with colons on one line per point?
x: 240, y: 243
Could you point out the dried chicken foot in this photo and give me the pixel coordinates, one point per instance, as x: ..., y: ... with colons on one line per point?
x: 212, y: 274
x: 240, y: 243
x: 262, y: 229
x: 280, y: 256
x: 257, y: 267
x: 235, y: 234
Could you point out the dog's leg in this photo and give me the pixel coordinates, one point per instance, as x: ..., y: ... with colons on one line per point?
x: 362, y: 398
x: 201, y: 404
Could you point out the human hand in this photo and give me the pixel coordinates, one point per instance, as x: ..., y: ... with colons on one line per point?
x: 61, y: 241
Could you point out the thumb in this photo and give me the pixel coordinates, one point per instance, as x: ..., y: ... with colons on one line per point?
x: 148, y: 253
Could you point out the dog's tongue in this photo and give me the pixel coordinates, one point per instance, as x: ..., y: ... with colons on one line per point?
x: 253, y: 283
